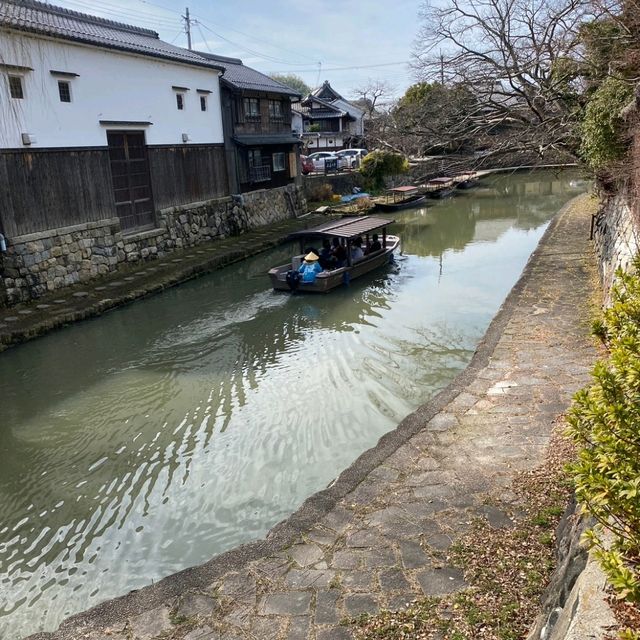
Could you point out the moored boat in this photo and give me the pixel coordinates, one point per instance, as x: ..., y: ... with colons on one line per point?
x: 346, y: 230
x: 401, y: 198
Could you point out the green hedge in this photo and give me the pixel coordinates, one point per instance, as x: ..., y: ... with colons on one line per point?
x: 605, y: 422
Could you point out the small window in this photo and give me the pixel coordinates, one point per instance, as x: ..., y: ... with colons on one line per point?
x: 279, y: 161
x: 180, y: 101
x: 203, y: 103
x: 15, y: 87
x: 275, y: 110
x: 64, y: 89
x: 252, y: 107
x: 255, y: 158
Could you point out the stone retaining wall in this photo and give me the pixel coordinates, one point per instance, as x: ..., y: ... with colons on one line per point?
x: 616, y: 236
x: 37, y: 263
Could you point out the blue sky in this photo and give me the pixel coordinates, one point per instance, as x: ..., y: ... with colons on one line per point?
x: 287, y: 36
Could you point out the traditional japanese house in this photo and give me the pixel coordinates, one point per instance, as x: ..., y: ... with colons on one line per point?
x: 262, y: 150
x: 112, y: 147
x: 328, y: 122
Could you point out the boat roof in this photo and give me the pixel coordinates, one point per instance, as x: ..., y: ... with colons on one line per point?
x: 349, y: 227
x: 406, y: 189
x: 440, y: 180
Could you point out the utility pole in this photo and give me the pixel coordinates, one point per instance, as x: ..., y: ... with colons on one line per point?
x: 187, y: 27
x: 441, y: 65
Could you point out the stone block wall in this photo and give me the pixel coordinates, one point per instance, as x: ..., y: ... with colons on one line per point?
x: 616, y: 237
x: 41, y: 262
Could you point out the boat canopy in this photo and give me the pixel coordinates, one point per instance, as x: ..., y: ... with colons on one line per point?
x: 351, y: 227
x: 407, y: 189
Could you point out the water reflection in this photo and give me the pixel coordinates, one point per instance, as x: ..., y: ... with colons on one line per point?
x: 154, y: 437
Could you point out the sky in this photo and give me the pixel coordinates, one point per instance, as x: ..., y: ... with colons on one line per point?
x: 315, y: 39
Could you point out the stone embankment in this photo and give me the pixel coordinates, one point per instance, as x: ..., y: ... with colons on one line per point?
x: 39, y: 263
x: 77, y: 302
x: 376, y: 538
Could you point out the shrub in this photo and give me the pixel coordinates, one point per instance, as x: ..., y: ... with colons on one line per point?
x: 605, y: 422
x: 379, y: 164
x: 320, y: 192
x: 602, y: 128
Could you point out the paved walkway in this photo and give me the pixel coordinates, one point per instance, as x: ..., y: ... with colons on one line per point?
x: 374, y: 539
x: 26, y: 321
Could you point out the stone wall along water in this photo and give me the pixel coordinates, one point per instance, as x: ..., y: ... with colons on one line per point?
x: 41, y: 262
x: 616, y: 237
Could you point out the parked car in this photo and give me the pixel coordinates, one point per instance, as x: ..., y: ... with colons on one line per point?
x: 306, y: 165
x: 351, y: 158
x: 320, y: 157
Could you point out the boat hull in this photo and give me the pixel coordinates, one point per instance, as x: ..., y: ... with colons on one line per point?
x: 441, y: 193
x: 404, y: 204
x: 328, y: 280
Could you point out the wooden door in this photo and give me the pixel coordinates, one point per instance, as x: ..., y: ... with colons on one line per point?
x: 131, y: 179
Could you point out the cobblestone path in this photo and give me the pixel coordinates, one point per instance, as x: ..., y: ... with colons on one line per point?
x: 373, y: 540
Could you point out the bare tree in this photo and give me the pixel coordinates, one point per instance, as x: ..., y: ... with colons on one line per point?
x: 521, y: 59
x: 373, y: 96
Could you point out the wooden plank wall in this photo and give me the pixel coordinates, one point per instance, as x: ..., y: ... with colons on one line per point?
x: 48, y: 189
x: 187, y: 173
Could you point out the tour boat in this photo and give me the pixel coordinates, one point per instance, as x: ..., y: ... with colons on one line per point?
x: 401, y: 198
x: 284, y: 277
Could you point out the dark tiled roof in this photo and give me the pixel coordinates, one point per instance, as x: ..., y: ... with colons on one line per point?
x: 57, y: 22
x: 239, y: 76
x: 327, y: 92
x: 325, y: 112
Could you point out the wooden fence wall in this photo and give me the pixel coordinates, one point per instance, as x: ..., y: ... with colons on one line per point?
x: 53, y: 188
x: 187, y: 173
x: 48, y: 189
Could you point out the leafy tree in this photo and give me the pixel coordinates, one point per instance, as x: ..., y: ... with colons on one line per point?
x: 293, y: 82
x: 377, y: 165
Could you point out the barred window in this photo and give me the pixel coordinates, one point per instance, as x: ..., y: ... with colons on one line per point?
x: 64, y: 89
x: 15, y: 87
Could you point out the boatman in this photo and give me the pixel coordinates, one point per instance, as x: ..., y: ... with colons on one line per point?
x: 310, y: 268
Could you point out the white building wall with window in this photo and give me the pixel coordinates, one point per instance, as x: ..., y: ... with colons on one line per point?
x: 104, y: 85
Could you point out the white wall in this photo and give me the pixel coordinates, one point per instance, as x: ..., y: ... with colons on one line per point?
x: 110, y: 86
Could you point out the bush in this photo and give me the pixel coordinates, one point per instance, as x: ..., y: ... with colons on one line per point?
x: 379, y: 164
x: 320, y: 192
x: 605, y: 422
x: 603, y: 141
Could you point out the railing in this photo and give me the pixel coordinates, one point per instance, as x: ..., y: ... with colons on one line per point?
x: 260, y: 174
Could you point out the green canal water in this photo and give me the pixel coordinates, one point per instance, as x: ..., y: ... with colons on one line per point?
x: 155, y: 437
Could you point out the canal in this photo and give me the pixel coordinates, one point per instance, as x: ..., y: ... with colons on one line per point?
x: 155, y: 437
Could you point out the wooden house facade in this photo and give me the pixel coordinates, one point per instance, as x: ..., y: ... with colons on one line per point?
x: 262, y: 151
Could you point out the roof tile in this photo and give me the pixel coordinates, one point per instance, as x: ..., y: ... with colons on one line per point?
x: 45, y: 19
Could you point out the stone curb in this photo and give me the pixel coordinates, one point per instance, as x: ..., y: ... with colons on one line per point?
x: 109, y: 613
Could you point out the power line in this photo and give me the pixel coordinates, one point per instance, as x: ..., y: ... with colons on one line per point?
x: 362, y: 66
x: 262, y: 40
x: 113, y: 11
x: 243, y: 48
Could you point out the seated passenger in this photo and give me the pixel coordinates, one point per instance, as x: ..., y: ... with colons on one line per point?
x: 327, y: 259
x: 339, y: 253
x: 356, y: 250
x: 310, y: 268
x: 375, y: 245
